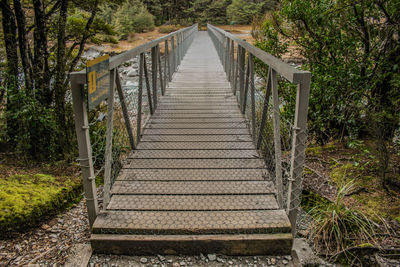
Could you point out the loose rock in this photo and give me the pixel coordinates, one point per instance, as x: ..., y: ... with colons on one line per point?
x: 212, y: 257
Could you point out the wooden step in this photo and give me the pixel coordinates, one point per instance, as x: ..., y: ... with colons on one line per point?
x: 226, y: 244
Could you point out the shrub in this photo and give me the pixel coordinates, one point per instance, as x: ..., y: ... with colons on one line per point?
x: 132, y: 16
x: 143, y: 22
x: 167, y: 28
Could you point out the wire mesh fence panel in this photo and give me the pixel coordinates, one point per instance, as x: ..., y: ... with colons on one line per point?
x: 274, y: 98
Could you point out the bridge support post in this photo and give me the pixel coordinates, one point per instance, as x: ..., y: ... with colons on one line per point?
x: 173, y: 55
x: 241, y: 66
x: 154, y: 62
x: 277, y: 138
x: 109, y: 138
x: 142, y: 61
x: 85, y: 152
x: 298, y: 149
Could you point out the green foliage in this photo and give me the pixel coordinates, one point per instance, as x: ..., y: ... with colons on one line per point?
x: 143, y: 22
x: 24, y: 199
x: 37, y: 129
x: 242, y: 12
x: 354, y: 76
x: 131, y: 17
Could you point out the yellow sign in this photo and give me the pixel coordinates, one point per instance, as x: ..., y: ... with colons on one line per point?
x: 98, y: 77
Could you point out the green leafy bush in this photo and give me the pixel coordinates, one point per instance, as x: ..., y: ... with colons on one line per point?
x: 143, y: 22
x: 352, y: 51
x: 131, y: 17
x: 242, y: 12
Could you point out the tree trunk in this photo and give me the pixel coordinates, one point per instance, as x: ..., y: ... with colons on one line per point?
x: 40, y: 65
x: 10, y: 42
x: 23, y: 47
x: 59, y: 85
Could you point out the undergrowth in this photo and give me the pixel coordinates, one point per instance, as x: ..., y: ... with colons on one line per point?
x: 26, y: 198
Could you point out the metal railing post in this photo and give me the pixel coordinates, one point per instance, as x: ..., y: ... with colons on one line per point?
x: 85, y: 151
x: 246, y: 87
x: 154, y: 62
x: 277, y: 138
x: 173, y: 55
x: 168, y: 56
x: 148, y: 89
x: 298, y: 149
x: 109, y: 140
x: 124, y: 110
x: 241, y: 72
x: 253, y: 100
x: 140, y: 93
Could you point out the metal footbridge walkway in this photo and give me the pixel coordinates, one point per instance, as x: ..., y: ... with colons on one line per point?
x: 196, y: 181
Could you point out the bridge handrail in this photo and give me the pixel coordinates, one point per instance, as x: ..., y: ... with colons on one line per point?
x: 115, y: 61
x: 241, y: 76
x: 178, y: 42
x: 289, y: 72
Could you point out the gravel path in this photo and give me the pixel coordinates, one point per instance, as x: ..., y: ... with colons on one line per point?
x: 198, y: 260
x: 48, y: 244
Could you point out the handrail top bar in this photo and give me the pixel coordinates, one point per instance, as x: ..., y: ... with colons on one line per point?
x: 80, y: 76
x: 290, y: 73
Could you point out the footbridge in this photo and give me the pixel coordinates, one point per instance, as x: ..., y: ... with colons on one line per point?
x: 194, y: 150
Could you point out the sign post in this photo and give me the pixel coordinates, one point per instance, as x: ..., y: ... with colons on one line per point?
x: 98, y: 77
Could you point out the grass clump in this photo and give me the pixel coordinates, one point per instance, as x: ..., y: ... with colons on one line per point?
x: 24, y: 199
x: 337, y: 227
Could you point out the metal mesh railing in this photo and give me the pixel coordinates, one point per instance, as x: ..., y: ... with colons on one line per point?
x: 138, y: 80
x: 264, y: 86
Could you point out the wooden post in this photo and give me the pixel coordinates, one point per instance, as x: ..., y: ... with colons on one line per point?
x: 265, y: 109
x: 154, y: 74
x: 160, y: 70
x: 277, y: 139
x: 298, y: 149
x: 125, y: 110
x: 85, y: 151
x: 140, y: 93
x: 148, y: 90
x: 109, y: 140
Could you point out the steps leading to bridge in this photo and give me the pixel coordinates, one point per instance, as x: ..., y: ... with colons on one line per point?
x: 196, y: 182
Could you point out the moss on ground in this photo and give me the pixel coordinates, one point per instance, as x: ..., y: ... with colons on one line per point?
x: 357, y: 163
x: 25, y: 198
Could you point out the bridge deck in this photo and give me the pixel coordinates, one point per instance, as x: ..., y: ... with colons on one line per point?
x: 195, y: 175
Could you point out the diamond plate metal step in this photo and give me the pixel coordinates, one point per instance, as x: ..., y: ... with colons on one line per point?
x: 192, y: 188
x: 193, y: 174
x: 218, y: 125
x: 197, y: 145
x: 195, y: 163
x: 192, y: 222
x: 192, y: 202
x: 198, y: 138
x: 242, y: 131
x: 194, y: 154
